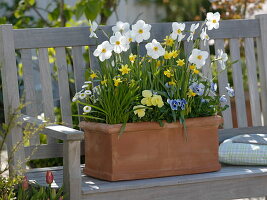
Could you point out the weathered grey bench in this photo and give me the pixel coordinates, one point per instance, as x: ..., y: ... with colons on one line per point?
x: 231, y: 182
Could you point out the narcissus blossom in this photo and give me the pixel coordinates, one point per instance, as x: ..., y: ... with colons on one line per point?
x: 222, y: 58
x: 121, y: 27
x: 204, y: 36
x: 198, y: 57
x: 141, y: 31
x: 193, y: 29
x: 213, y: 20
x: 177, y: 31
x: 103, y: 51
x: 154, y: 49
x: 93, y: 27
x: 119, y: 43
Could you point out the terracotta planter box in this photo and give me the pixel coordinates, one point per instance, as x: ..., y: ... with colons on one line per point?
x: 146, y: 150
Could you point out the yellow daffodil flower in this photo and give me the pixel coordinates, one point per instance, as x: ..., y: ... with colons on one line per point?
x: 93, y: 75
x: 117, y: 81
x: 168, y: 41
x: 104, y: 82
x: 124, y: 69
x: 156, y: 100
x: 146, y: 93
x: 171, y: 83
x: 195, y: 71
x: 168, y: 73
x: 167, y: 55
x: 139, y: 110
x: 180, y: 62
x: 191, y: 93
x: 132, y: 57
x: 158, y: 63
x: 174, y: 53
x: 192, y: 67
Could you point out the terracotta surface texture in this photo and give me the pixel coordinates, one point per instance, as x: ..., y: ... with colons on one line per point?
x: 146, y: 150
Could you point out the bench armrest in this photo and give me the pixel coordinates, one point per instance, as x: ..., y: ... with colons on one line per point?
x: 54, y: 130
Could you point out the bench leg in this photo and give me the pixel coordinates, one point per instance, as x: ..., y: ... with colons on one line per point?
x: 72, y: 169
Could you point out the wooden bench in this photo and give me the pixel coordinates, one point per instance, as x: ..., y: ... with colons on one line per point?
x: 231, y: 182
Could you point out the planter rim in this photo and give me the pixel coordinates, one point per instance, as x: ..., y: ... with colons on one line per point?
x: 130, y: 127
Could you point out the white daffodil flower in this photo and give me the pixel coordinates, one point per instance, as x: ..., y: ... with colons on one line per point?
x: 177, y: 31
x: 198, y: 57
x: 93, y: 27
x: 154, y: 49
x: 213, y: 20
x: 204, y: 36
x: 193, y: 29
x: 103, y: 51
x: 141, y: 31
x: 76, y: 97
x: 88, y: 82
x: 85, y: 86
x: 119, y: 42
x: 87, y: 109
x: 222, y: 58
x: 121, y: 27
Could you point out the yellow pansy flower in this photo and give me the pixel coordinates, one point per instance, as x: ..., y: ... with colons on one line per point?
x: 146, y: 93
x: 132, y: 57
x: 117, y: 81
x: 168, y: 73
x: 192, y: 67
x: 124, y: 69
x: 93, y: 75
x: 104, y: 82
x: 146, y: 101
x: 168, y: 41
x: 167, y: 55
x: 156, y: 100
x: 139, y: 110
x: 180, y: 62
x: 191, y: 93
x: 195, y: 71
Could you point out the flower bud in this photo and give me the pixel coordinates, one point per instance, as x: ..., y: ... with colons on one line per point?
x: 25, y: 183
x: 49, y: 177
x: 60, y: 198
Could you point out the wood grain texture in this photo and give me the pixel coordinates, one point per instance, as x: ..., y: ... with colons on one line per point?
x: 188, y: 47
x: 11, y: 97
x: 238, y: 84
x: 253, y: 82
x: 47, y: 92
x: 54, y: 130
x: 222, y: 82
x: 79, y: 71
x: 238, y: 181
x: 63, y: 85
x: 29, y: 88
x: 262, y: 59
x: 72, y: 172
x: 79, y: 36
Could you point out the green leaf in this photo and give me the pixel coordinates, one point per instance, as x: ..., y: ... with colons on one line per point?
x: 31, y: 2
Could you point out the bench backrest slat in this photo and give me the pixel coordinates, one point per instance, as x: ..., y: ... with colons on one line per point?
x: 47, y: 91
x: 71, y: 42
x: 253, y: 82
x: 222, y: 82
x: 63, y: 86
x: 238, y: 83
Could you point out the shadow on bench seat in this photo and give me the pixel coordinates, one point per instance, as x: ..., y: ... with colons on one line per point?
x: 230, y: 182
